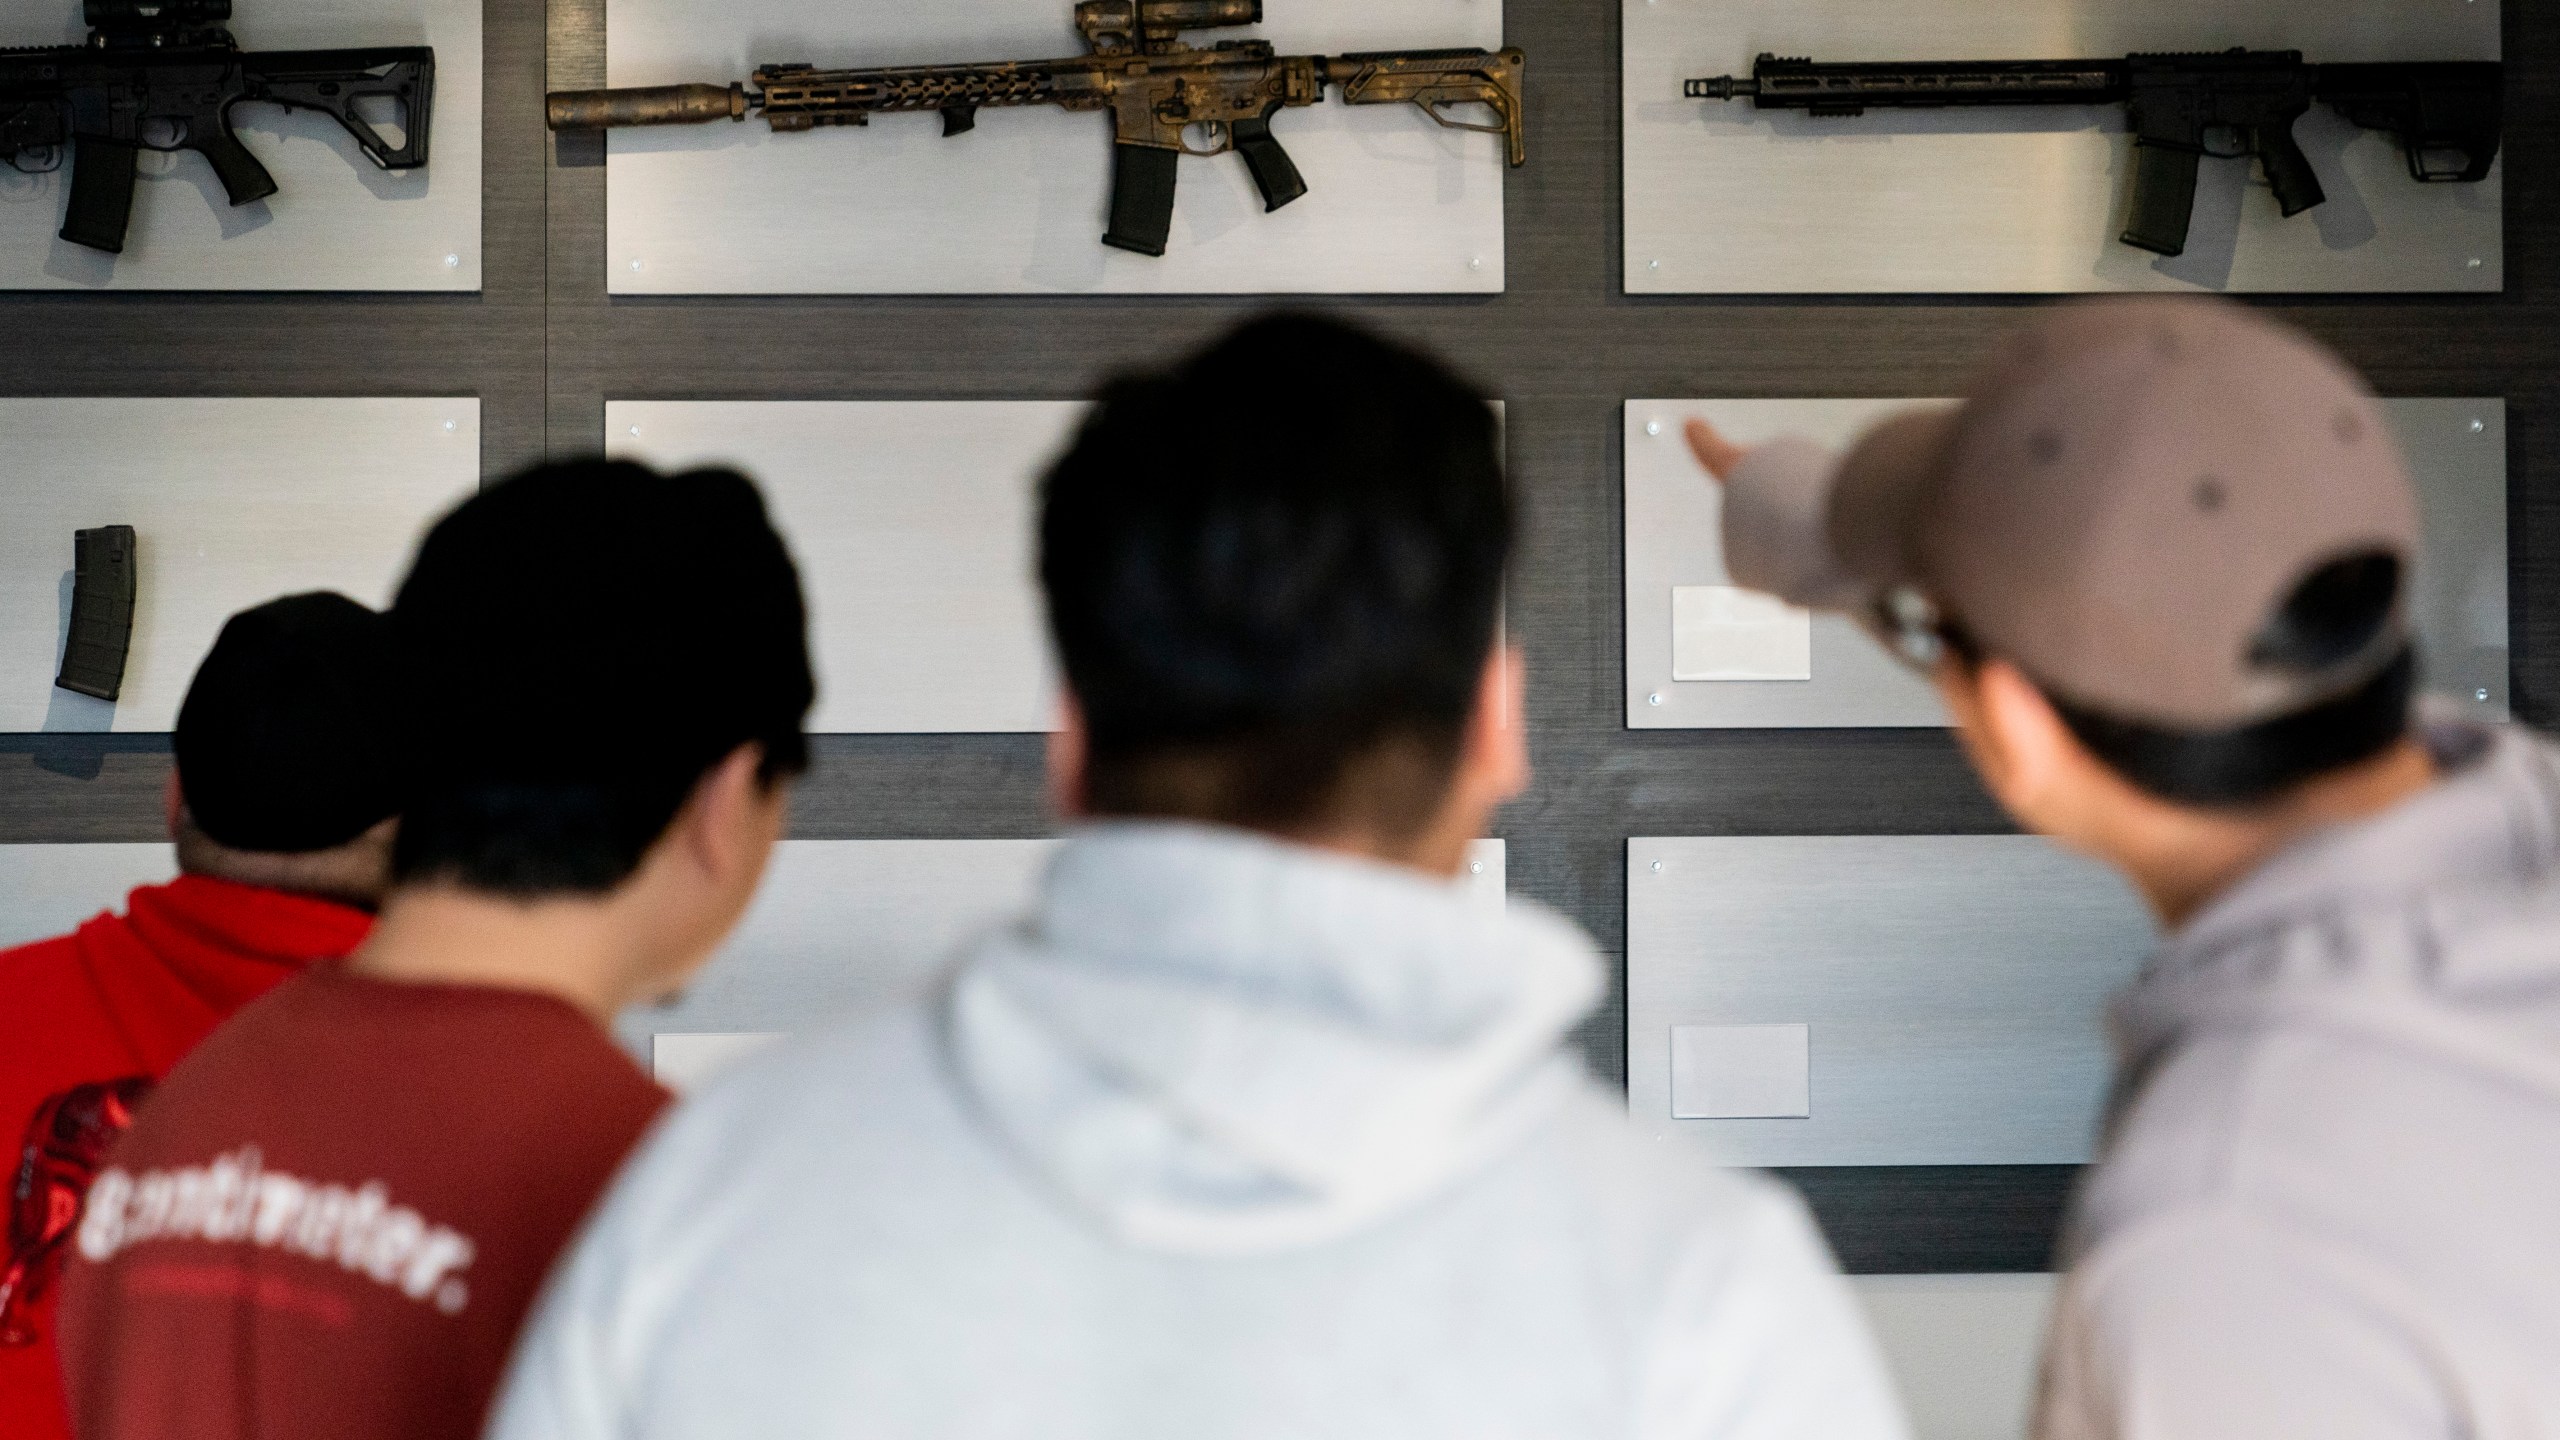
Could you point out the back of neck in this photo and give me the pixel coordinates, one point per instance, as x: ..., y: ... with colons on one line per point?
x: 2190, y: 859
x: 443, y: 934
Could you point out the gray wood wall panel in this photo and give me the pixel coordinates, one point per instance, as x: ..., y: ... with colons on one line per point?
x: 544, y: 345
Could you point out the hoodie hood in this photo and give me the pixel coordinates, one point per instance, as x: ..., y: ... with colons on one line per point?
x: 2434, y: 925
x: 1214, y: 1042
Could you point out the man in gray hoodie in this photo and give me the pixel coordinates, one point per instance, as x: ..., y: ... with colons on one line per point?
x: 1256, y: 1125
x: 2159, y: 566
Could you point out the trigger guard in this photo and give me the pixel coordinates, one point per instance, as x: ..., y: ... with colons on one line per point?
x: 1222, y: 131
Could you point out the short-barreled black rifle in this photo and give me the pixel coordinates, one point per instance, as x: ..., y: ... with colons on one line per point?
x: 165, y: 75
x: 2447, y: 114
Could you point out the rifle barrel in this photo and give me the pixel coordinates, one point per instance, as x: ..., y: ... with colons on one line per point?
x: 1796, y: 84
x: 798, y: 97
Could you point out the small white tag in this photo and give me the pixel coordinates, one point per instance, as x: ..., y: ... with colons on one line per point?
x: 1741, y: 1072
x: 682, y: 1062
x: 1724, y: 632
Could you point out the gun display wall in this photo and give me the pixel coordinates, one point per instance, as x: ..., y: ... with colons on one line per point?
x: 1373, y: 140
x: 1702, y: 655
x: 262, y: 145
x: 1944, y: 146
x: 229, y: 502
x: 891, y: 323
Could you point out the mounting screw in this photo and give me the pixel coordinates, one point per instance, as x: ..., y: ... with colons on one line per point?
x: 1654, y: 699
x: 635, y: 430
x: 638, y: 265
x: 1476, y: 263
x: 1653, y: 427
x: 1657, y: 867
x: 2479, y: 426
x: 1653, y: 264
x: 453, y: 262
x: 2480, y: 694
x: 1476, y: 867
x: 450, y: 427
x: 2474, y: 263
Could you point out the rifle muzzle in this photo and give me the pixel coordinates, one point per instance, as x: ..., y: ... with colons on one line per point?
x: 646, y: 105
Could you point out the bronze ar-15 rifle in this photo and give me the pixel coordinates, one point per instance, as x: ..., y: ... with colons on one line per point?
x: 1156, y: 86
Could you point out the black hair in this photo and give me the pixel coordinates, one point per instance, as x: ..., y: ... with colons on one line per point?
x: 2333, y: 619
x: 284, y: 745
x: 581, y: 644
x: 1274, y: 574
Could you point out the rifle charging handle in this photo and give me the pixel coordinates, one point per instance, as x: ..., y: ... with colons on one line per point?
x: 645, y: 105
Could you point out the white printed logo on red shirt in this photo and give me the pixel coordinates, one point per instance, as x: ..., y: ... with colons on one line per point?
x: 234, y: 1200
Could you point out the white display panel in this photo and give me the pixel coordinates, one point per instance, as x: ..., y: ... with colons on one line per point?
x: 1725, y: 198
x: 912, y: 521
x: 848, y: 925
x: 1951, y: 988
x: 2457, y: 452
x: 1396, y: 204
x: 1964, y: 1349
x: 912, y: 525
x: 48, y: 890
x: 234, y: 502
x: 336, y: 221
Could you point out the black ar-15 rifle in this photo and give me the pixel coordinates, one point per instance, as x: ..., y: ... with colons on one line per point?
x: 2448, y: 115
x: 165, y: 75
x: 1155, y: 86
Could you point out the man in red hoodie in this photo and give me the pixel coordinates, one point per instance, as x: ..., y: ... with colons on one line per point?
x: 280, y: 808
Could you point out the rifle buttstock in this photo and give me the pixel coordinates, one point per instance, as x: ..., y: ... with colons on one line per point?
x: 1434, y: 80
x: 645, y: 105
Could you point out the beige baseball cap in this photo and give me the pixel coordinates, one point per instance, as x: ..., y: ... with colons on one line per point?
x: 2122, y: 509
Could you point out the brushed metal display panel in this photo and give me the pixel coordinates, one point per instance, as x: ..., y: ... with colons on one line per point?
x: 912, y: 521
x: 48, y: 890
x: 235, y: 502
x: 1722, y: 198
x: 336, y: 223
x: 1396, y: 204
x: 2457, y: 450
x: 1952, y: 986
x: 845, y: 925
x: 912, y: 524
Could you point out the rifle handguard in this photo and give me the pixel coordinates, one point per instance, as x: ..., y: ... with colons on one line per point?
x: 645, y: 105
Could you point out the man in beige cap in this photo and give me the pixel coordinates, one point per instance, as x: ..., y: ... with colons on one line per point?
x: 2158, y: 567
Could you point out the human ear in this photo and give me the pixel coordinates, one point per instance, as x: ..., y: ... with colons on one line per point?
x: 1069, y: 748
x: 733, y: 818
x: 1493, y: 759
x: 2027, y: 756
x: 173, y: 802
